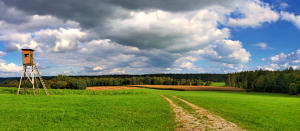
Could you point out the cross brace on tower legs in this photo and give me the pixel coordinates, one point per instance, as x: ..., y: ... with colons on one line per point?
x: 31, y: 77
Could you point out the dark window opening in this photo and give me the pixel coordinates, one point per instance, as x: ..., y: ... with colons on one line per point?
x: 26, y: 55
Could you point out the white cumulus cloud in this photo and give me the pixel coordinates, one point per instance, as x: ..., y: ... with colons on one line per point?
x: 254, y: 13
x: 167, y: 30
x: 226, y: 51
x: 9, y: 68
x: 283, y: 61
x: 263, y: 46
x: 2, y: 53
x: 291, y: 17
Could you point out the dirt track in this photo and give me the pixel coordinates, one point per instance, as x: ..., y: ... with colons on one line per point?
x: 203, y: 121
x: 111, y: 88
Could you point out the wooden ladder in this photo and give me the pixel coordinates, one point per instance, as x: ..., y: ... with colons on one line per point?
x: 41, y: 79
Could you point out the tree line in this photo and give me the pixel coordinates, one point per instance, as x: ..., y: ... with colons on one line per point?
x: 81, y: 82
x: 286, y: 81
x: 203, y: 77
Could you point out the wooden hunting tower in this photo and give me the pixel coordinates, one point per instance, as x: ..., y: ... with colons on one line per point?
x: 28, y: 63
x: 27, y: 57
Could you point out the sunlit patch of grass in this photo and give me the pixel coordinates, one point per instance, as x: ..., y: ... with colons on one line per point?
x: 217, y: 84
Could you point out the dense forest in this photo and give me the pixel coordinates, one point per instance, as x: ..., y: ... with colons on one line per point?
x: 81, y: 82
x: 286, y: 81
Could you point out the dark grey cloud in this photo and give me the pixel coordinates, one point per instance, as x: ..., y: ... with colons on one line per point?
x: 90, y: 13
x: 92, y: 7
x: 11, y: 15
x: 145, y: 40
x: 168, y: 5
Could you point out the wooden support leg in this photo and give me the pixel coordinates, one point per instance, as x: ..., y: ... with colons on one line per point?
x: 18, y: 92
x: 24, y: 90
x: 32, y: 79
x: 25, y: 73
x: 34, y: 91
x: 39, y: 91
x: 37, y: 86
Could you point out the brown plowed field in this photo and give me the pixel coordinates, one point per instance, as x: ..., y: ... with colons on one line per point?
x: 189, y: 88
x: 111, y: 88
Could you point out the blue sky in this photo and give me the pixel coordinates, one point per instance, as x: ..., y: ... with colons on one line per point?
x: 280, y: 36
x: 11, y: 57
x: 140, y: 37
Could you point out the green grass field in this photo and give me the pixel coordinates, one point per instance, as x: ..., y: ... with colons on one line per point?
x: 252, y: 111
x: 85, y: 110
x: 217, y: 84
x: 142, y: 109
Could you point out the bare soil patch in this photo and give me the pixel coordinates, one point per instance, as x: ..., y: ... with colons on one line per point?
x: 189, y: 88
x: 111, y: 88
